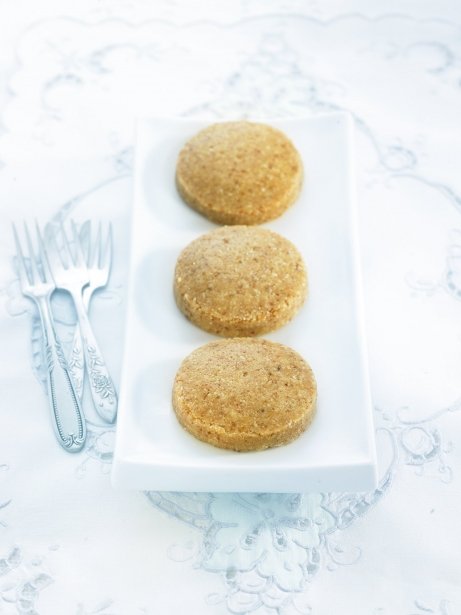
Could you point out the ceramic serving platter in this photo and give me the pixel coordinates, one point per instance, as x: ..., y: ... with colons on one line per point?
x: 337, y: 453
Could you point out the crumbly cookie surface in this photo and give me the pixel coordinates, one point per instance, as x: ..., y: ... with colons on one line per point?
x: 240, y: 281
x: 245, y: 394
x: 239, y: 172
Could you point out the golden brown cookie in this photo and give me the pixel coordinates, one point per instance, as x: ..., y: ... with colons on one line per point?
x: 245, y: 394
x: 240, y: 281
x: 239, y: 172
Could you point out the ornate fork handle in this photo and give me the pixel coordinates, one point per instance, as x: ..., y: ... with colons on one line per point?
x: 68, y: 420
x: 101, y: 385
x: 76, y: 359
x: 76, y: 362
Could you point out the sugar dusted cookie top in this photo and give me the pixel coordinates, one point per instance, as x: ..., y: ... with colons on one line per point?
x: 245, y: 394
x: 239, y: 172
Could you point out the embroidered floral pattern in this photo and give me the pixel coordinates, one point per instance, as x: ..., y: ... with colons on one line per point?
x: 266, y: 547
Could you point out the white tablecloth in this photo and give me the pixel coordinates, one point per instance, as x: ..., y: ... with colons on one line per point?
x: 71, y: 80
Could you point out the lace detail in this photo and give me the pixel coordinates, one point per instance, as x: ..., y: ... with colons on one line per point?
x: 266, y: 548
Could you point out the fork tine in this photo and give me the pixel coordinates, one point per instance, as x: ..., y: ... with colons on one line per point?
x: 22, y: 271
x: 85, y: 241
x: 43, y: 254
x: 106, y: 260
x: 66, y: 244
x: 96, y: 250
x: 36, y: 275
x: 79, y: 256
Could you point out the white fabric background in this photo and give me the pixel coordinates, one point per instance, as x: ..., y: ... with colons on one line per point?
x: 71, y: 80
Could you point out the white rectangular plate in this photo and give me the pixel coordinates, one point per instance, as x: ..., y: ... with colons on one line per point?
x: 338, y: 451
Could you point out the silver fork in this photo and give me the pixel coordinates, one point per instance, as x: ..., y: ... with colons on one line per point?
x: 71, y: 274
x: 98, y: 261
x: 38, y: 285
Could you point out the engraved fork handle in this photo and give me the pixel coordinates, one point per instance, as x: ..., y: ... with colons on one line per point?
x: 76, y: 360
x: 68, y: 420
x: 101, y: 385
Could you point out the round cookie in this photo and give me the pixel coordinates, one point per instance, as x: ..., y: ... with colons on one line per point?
x: 239, y: 172
x: 245, y: 394
x: 240, y: 281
